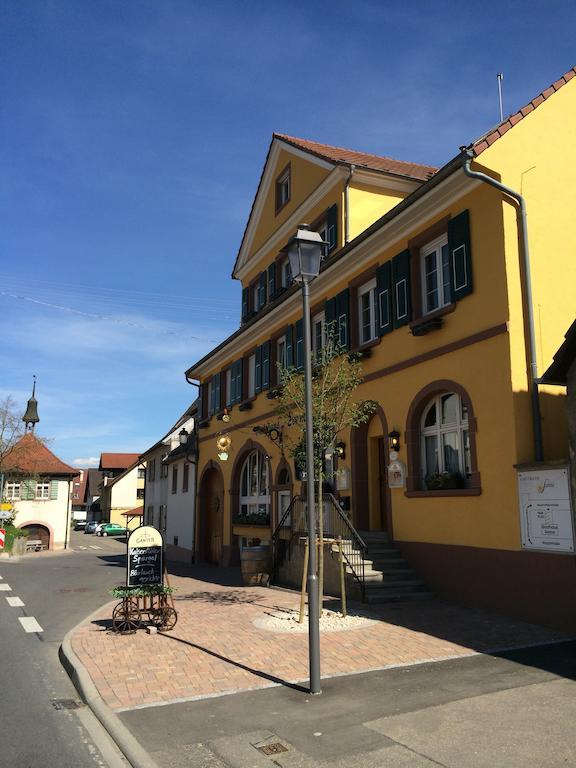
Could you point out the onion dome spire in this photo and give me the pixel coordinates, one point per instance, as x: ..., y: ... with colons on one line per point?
x: 31, y: 417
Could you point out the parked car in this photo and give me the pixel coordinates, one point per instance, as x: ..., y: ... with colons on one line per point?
x: 111, y: 529
x: 79, y: 525
x: 91, y: 526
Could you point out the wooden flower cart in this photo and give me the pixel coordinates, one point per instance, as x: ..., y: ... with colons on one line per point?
x: 141, y: 605
x: 146, y: 598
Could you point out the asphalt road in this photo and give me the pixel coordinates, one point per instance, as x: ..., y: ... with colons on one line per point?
x: 58, y: 591
x: 510, y: 710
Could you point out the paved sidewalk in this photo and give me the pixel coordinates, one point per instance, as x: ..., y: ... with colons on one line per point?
x: 216, y: 649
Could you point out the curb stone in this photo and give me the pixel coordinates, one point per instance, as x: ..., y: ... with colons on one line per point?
x: 128, y: 745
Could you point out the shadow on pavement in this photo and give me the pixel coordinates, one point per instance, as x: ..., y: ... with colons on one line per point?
x: 118, y: 560
x: 239, y: 665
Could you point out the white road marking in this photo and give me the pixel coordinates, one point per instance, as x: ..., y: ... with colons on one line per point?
x: 15, y: 602
x: 82, y: 547
x: 30, y: 624
x: 95, y: 546
x: 1, y: 578
x: 5, y: 588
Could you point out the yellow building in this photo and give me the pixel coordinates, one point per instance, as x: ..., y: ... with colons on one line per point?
x: 122, y: 490
x: 426, y: 277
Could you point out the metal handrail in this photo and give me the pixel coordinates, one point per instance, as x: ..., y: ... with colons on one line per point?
x: 337, y: 526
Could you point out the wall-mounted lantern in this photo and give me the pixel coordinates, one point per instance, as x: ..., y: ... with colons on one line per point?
x: 394, y: 438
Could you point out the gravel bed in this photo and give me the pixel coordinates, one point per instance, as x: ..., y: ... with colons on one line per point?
x: 331, y: 621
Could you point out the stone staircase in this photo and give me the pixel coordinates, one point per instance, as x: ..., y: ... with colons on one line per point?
x: 387, y: 575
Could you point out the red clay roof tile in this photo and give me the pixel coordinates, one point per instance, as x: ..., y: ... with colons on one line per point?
x: 349, y: 156
x: 485, y: 141
x: 30, y: 456
x: 117, y: 460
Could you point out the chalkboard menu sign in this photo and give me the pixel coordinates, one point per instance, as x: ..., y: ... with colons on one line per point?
x: 144, y: 557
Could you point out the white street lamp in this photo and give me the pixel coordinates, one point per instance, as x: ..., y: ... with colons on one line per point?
x: 305, y: 252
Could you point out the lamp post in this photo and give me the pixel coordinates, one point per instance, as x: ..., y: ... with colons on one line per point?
x: 305, y: 253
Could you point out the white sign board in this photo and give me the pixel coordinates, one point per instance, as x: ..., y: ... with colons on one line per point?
x: 545, y: 510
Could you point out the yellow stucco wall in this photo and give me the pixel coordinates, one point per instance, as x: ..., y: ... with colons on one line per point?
x: 533, y: 158
x: 536, y: 159
x: 305, y: 177
x: 367, y: 204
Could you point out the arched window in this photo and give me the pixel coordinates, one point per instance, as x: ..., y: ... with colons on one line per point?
x: 255, y: 490
x: 445, y: 440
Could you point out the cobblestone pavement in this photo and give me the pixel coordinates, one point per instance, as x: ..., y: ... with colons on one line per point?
x: 216, y: 649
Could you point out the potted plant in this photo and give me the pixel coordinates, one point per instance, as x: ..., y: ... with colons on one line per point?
x: 439, y: 481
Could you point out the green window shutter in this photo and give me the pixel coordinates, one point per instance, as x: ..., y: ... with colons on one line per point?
x: 216, y: 393
x: 299, y: 344
x: 460, y: 255
x: 201, y: 411
x: 53, y: 490
x: 271, y: 281
x: 343, y: 318
x: 401, y: 289
x: 28, y: 490
x: 240, y: 386
x: 236, y: 382
x: 290, y: 347
x: 262, y: 290
x: 258, y: 370
x: 332, y: 228
x: 330, y: 318
x: 384, y: 298
x: 245, y: 307
x: 265, y: 365
x: 233, y: 383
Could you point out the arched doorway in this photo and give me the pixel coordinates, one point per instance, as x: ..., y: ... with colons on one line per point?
x: 371, y: 494
x: 211, y: 520
x: 39, y: 533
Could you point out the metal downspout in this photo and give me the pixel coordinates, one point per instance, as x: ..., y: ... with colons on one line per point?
x: 347, y: 206
x: 468, y: 156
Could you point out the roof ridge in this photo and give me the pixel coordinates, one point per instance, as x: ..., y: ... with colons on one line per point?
x: 300, y: 142
x: 493, y: 134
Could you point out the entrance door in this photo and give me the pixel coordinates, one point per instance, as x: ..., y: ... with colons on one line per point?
x: 383, y: 517
x: 212, y: 516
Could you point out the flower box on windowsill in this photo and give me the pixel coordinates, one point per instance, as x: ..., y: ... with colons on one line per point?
x: 203, y: 424
x: 273, y: 393
x: 426, y: 326
x: 441, y: 481
x: 245, y: 406
x: 254, y: 519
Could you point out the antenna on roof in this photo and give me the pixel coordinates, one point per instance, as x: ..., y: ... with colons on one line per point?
x: 500, y: 77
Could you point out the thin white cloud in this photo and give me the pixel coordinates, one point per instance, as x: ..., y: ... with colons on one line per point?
x: 88, y: 463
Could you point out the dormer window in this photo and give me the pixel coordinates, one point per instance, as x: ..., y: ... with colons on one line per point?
x: 283, y: 189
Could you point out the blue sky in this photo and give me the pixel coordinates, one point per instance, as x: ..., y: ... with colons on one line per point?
x: 132, y: 137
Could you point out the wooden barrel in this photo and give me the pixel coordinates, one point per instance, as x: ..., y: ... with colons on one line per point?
x: 256, y: 564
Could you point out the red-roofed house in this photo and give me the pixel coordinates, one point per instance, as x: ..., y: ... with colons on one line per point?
x: 123, y: 479
x: 454, y: 286
x: 39, y: 484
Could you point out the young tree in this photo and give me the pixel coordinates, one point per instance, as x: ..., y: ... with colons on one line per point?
x: 11, y: 428
x: 336, y: 374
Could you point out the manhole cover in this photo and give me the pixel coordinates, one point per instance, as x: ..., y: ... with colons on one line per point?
x: 272, y: 749
x: 65, y: 704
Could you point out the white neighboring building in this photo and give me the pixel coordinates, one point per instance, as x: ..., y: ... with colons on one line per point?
x: 39, y: 485
x: 170, y: 492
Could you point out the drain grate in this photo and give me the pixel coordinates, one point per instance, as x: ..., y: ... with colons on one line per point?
x: 65, y: 704
x: 272, y: 749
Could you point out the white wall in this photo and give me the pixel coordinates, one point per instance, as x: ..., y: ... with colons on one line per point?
x: 181, y: 508
x: 51, y: 513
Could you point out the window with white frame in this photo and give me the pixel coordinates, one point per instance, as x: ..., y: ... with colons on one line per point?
x: 281, y: 353
x: 446, y: 437
x: 12, y: 491
x: 285, y: 273
x: 255, y: 489
x: 435, y: 275
x: 318, y: 332
x: 367, y: 312
x: 283, y: 189
x: 43, y: 490
x: 252, y: 376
